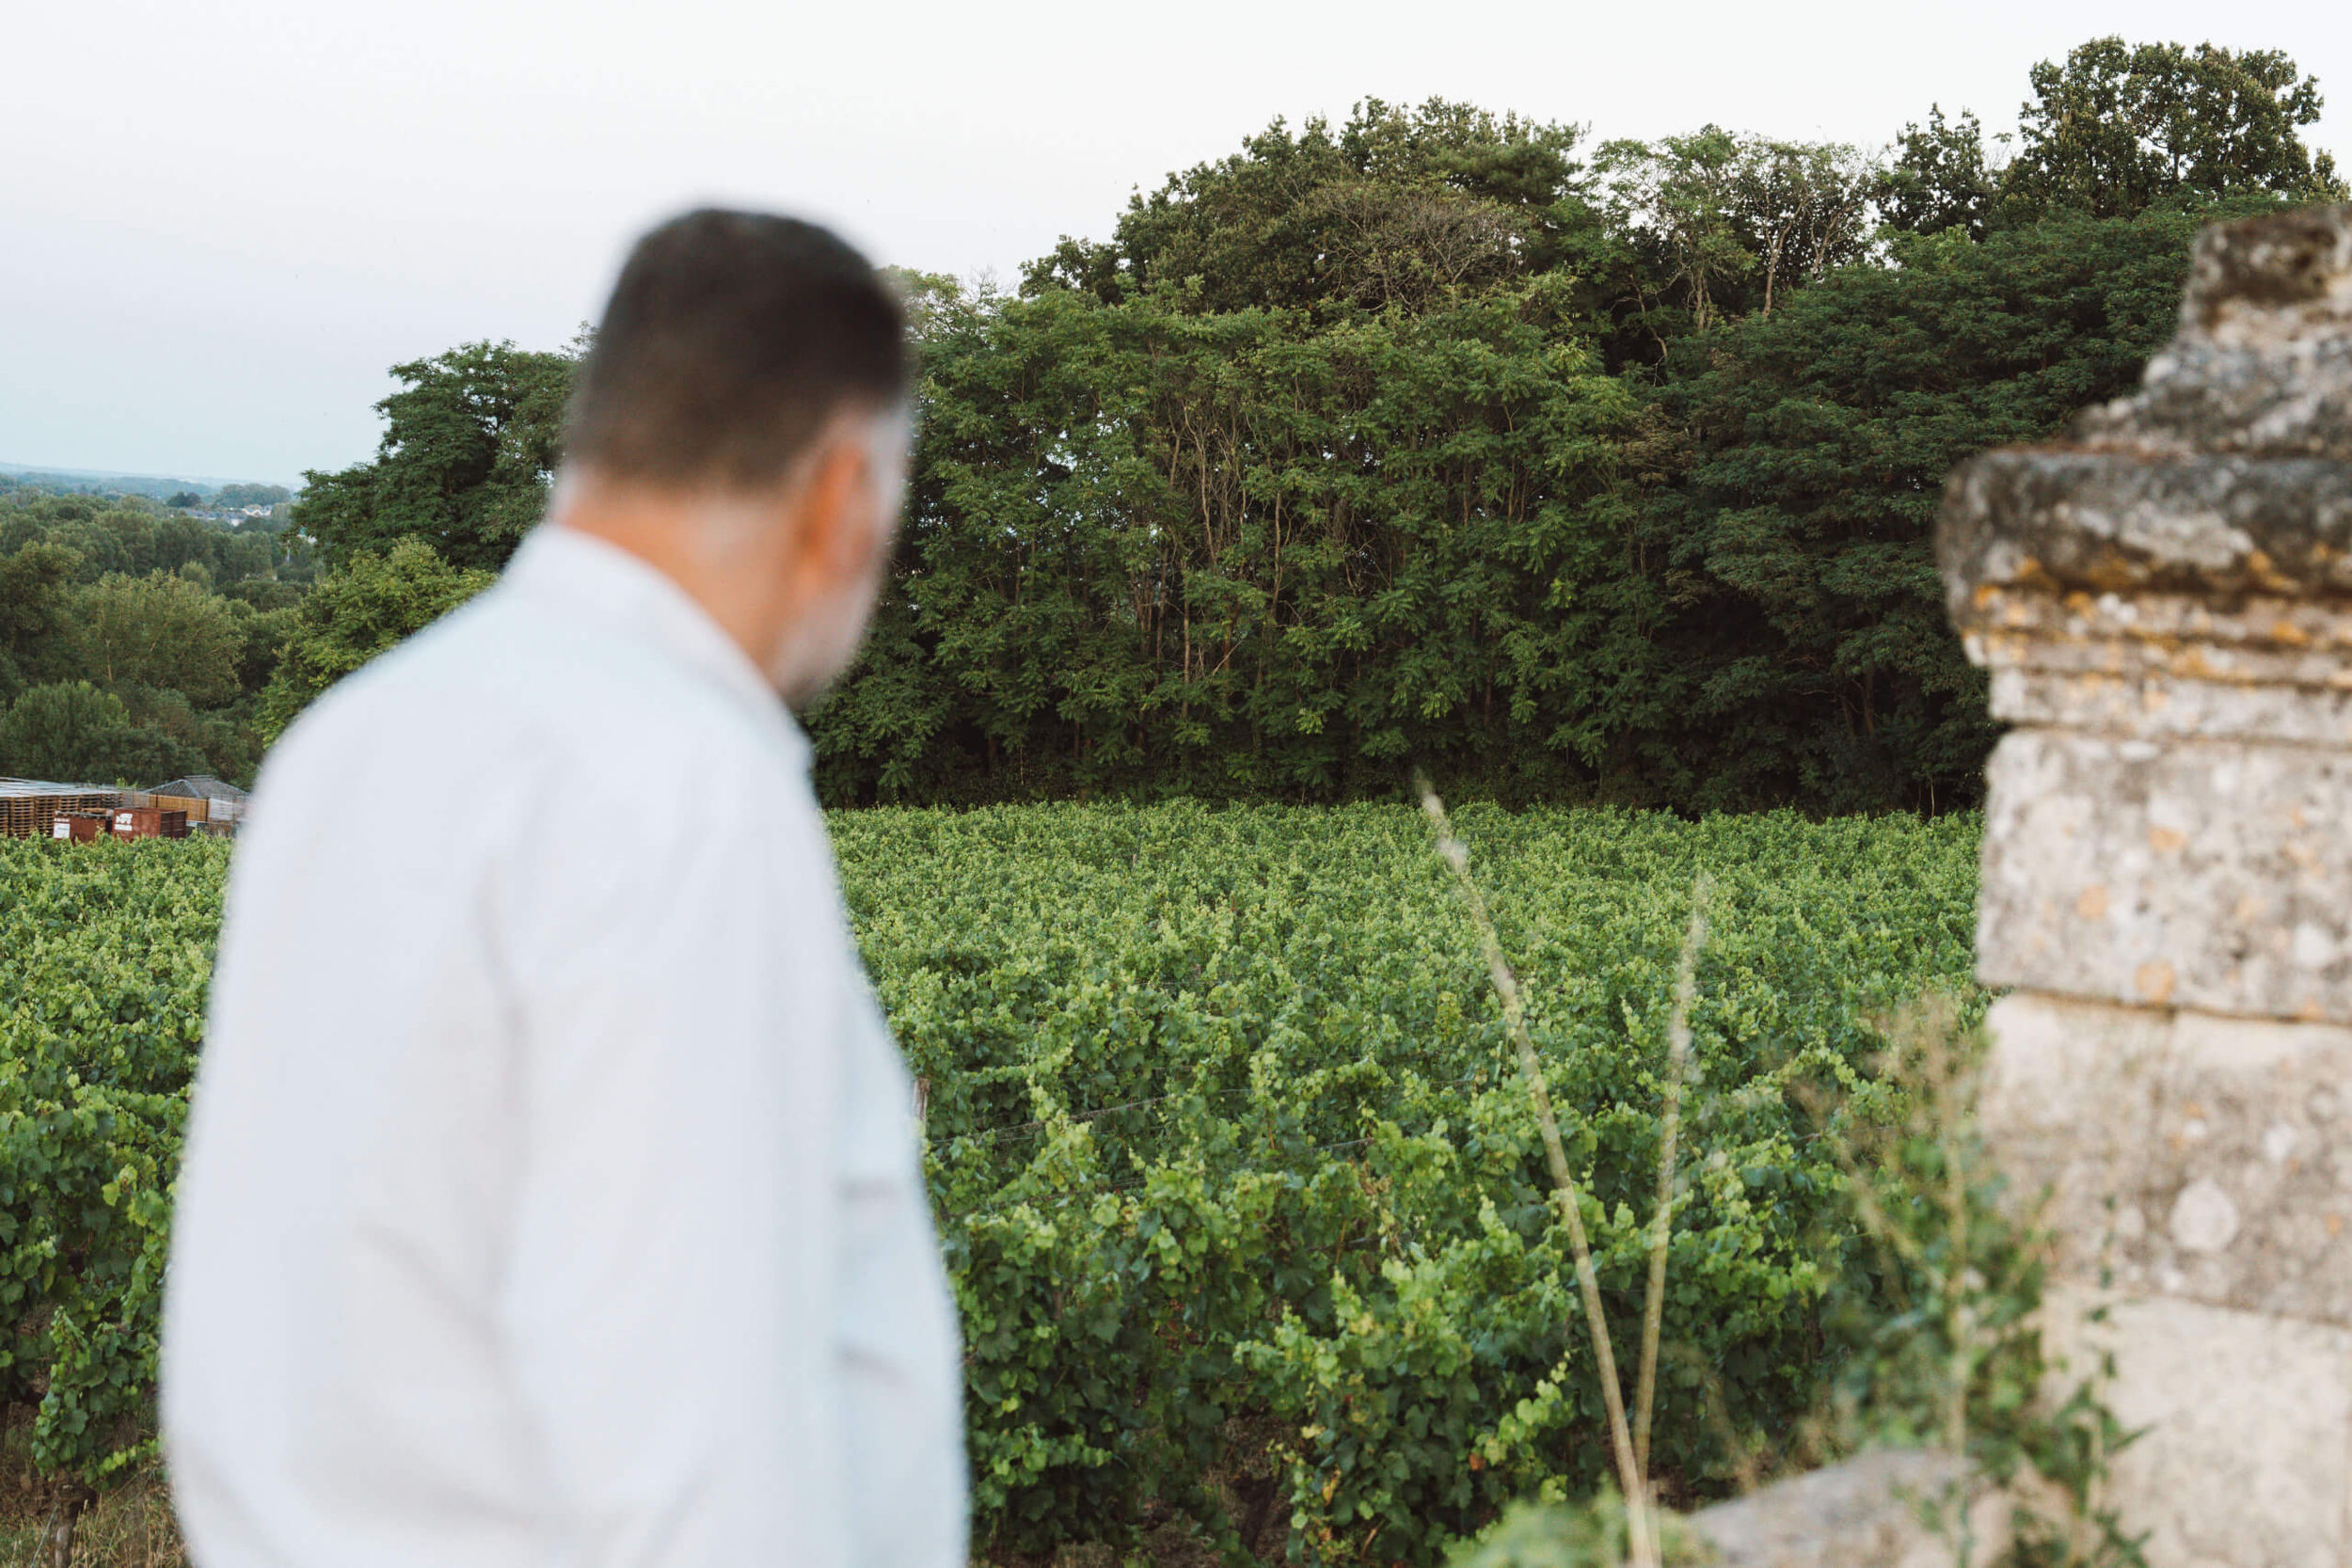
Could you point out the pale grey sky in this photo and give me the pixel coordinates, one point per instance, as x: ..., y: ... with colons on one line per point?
x: 223, y: 220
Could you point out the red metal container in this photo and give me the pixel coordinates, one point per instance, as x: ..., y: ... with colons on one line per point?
x: 148, y: 822
x: 81, y: 828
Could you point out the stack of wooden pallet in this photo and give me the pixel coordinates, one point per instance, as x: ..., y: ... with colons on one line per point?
x: 29, y: 808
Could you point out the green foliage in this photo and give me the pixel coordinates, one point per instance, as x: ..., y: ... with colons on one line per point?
x: 1675, y: 198
x: 2118, y: 129
x: 1284, y: 553
x: 33, y: 595
x: 1399, y: 207
x: 1720, y: 225
x: 165, y: 490
x: 52, y: 731
x: 177, y: 617
x: 1590, y: 1534
x: 358, y: 611
x: 1234, y: 1164
x: 262, y: 632
x: 159, y: 630
x: 2113, y: 131
x: 1239, y: 1191
x: 469, y: 448
x: 1811, y: 658
x: 105, y: 952
x: 251, y: 495
x: 1258, y: 553
x: 1944, y: 1321
x: 1940, y: 1322
x: 74, y: 732
x: 1940, y: 178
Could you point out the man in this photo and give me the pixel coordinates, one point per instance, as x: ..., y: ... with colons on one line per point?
x: 551, y: 1194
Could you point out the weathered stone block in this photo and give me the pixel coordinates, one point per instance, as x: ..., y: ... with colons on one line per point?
x: 2201, y: 876
x: 1892, y: 1507
x: 2264, y: 359
x: 2245, y: 1423
x: 2281, y: 397
x: 2060, y: 519
x: 2183, y: 1155
x: 2163, y: 707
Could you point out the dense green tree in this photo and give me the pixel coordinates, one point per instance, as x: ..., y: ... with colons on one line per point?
x: 129, y: 536
x: 49, y: 731
x: 470, y: 446
x: 251, y: 495
x: 177, y: 542
x: 1811, y: 659
x: 105, y: 539
x: 1398, y: 206
x: 2118, y: 128
x: 35, y: 597
x: 1807, y: 205
x: 1712, y: 225
x: 1408, y: 208
x: 264, y: 593
x: 1676, y: 201
x: 223, y: 740
x: 263, y: 631
x: 1940, y: 178
x: 933, y: 301
x: 74, y: 732
x: 185, y: 658
x: 239, y: 556
x: 363, y: 607
x: 159, y: 630
x: 1259, y: 551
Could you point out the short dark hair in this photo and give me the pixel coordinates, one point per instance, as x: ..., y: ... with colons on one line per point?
x: 730, y: 340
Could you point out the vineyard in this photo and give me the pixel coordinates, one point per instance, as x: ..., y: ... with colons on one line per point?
x: 1242, y: 1202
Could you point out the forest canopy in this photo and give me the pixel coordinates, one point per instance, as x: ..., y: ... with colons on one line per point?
x: 135, y: 641
x: 1567, y: 469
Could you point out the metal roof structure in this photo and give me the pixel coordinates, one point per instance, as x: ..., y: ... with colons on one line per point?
x: 23, y: 788
x: 201, y: 786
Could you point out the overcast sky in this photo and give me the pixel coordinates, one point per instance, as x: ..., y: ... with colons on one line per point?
x: 221, y: 220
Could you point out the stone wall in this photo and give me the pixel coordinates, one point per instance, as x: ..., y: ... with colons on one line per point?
x: 2164, y: 603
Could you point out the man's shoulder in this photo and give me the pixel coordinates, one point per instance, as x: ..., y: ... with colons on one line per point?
x: 506, y: 689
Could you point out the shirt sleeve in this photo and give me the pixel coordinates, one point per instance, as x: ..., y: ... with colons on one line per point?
x: 681, y: 992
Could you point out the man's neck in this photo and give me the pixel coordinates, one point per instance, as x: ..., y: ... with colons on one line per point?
x: 730, y: 555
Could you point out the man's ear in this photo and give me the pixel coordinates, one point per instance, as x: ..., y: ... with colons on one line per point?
x: 832, y: 536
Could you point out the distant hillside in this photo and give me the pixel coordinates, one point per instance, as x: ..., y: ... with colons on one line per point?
x: 160, y: 487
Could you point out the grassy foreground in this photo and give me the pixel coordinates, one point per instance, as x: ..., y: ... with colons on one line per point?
x: 1244, y: 1209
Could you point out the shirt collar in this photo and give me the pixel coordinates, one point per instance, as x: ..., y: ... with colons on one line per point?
x: 632, y: 598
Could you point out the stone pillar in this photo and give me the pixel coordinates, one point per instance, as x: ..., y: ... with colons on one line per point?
x: 2164, y: 601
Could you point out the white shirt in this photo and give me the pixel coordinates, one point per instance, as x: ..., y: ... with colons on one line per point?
x: 550, y: 1195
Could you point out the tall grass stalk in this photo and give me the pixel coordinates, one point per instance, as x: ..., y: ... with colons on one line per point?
x: 1662, y: 1221
x: 1456, y: 855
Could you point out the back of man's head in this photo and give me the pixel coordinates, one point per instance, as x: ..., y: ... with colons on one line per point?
x: 730, y: 342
